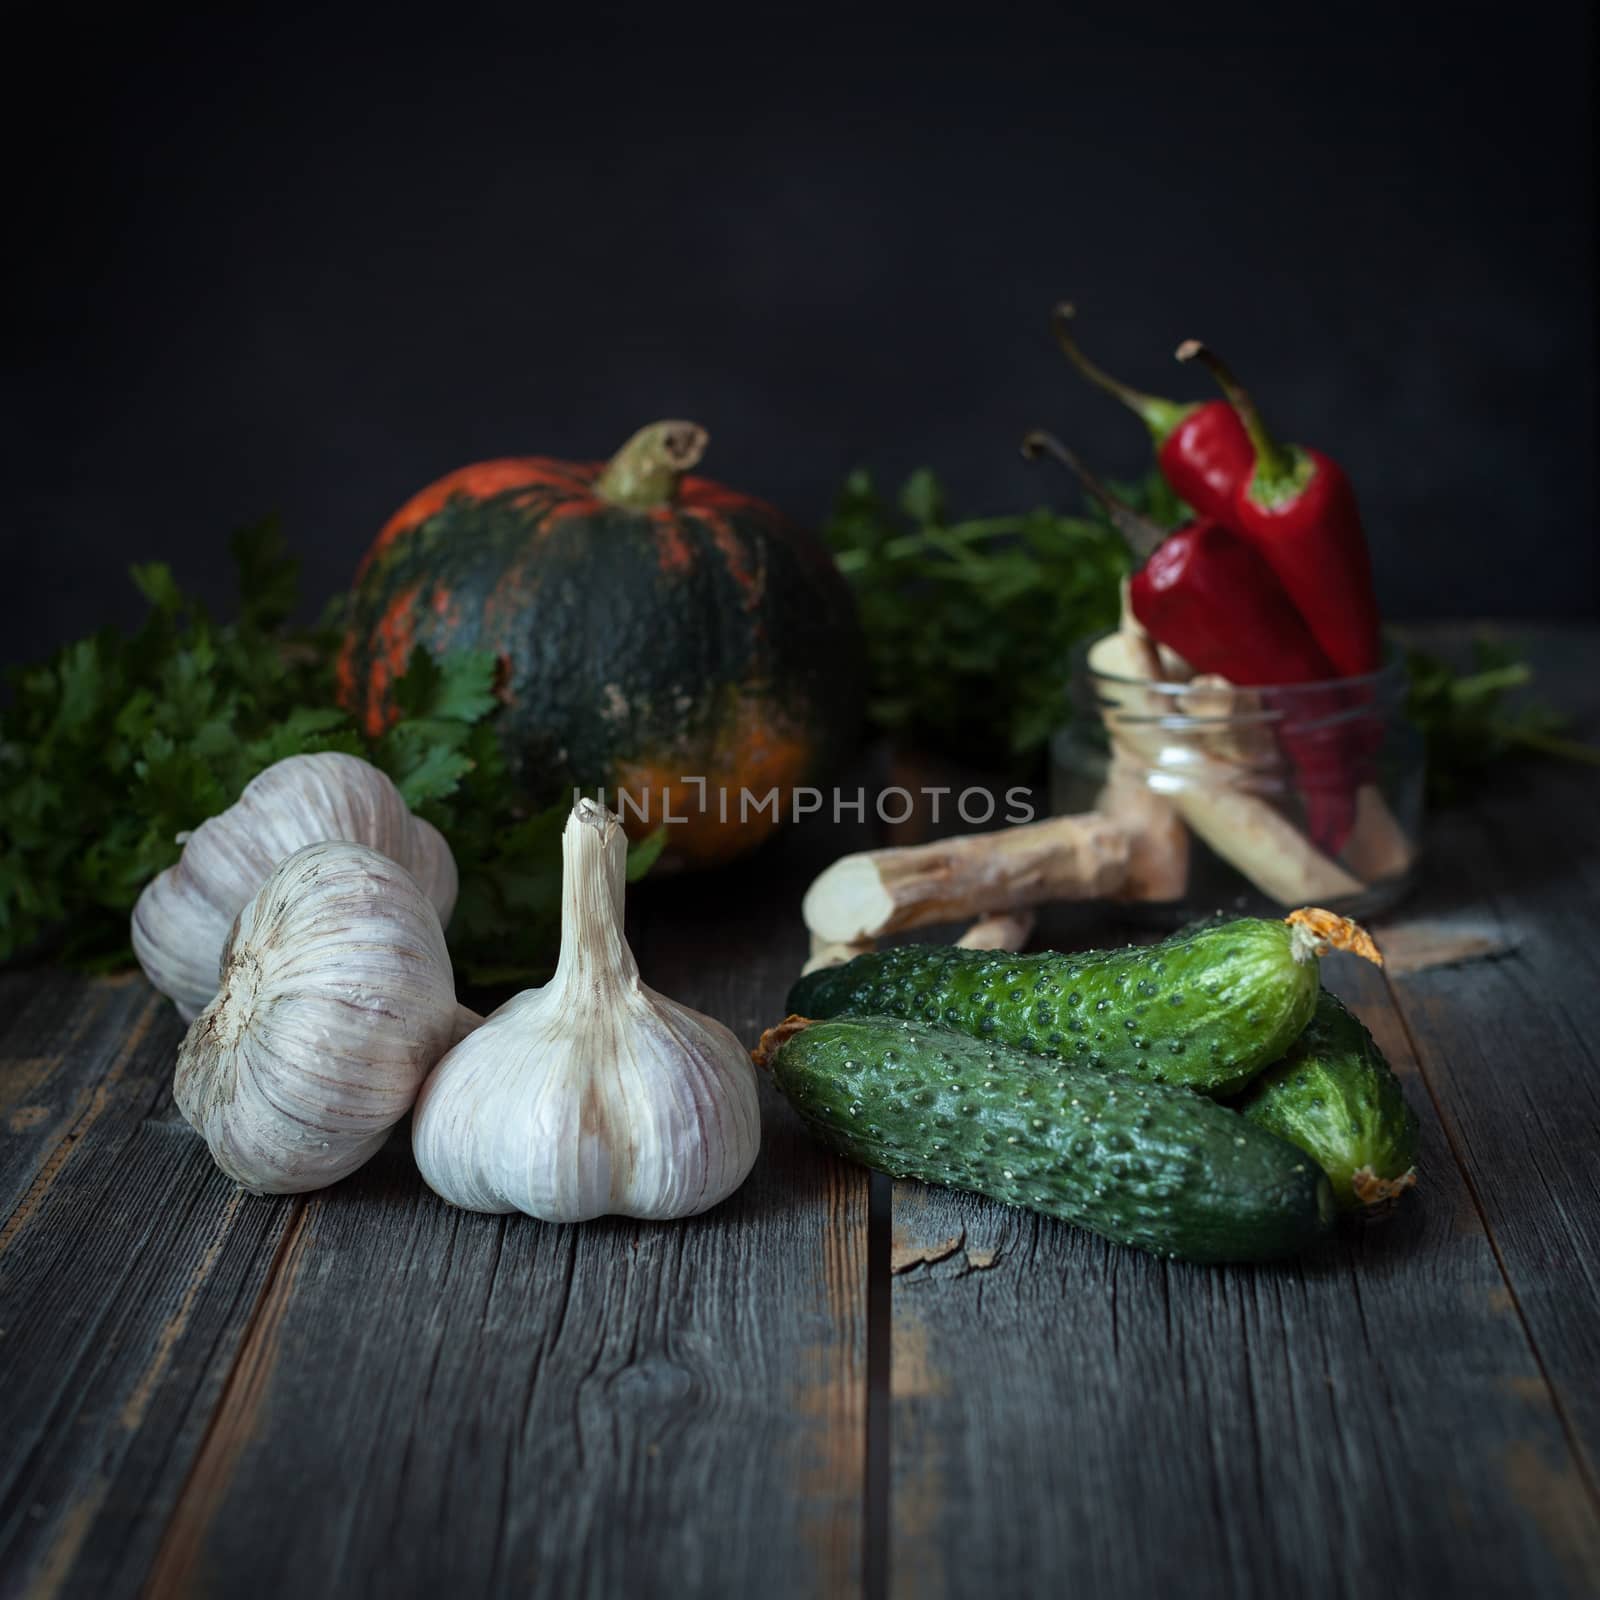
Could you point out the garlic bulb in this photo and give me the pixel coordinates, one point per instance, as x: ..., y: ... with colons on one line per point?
x: 336, y: 998
x: 593, y: 1095
x: 182, y: 919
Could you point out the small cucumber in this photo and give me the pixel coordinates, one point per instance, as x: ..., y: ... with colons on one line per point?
x: 1141, y: 1163
x: 1335, y: 1096
x: 1206, y: 1009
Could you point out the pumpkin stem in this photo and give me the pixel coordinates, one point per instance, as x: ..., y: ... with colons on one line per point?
x: 645, y: 471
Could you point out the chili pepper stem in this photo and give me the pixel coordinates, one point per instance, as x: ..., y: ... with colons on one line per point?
x: 1273, y: 460
x: 1158, y: 415
x: 1142, y: 534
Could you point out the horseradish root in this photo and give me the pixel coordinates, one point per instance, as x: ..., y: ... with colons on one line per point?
x: 1245, y: 830
x: 880, y: 892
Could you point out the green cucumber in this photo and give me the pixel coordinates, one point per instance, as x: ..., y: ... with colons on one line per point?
x: 1336, y: 1097
x: 1207, y: 1009
x: 1141, y: 1163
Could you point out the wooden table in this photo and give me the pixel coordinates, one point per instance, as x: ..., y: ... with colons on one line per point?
x: 833, y: 1384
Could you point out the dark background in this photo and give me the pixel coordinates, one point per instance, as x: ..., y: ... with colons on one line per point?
x: 306, y: 264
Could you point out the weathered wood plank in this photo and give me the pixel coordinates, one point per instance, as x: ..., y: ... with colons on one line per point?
x: 62, y: 1046
x: 365, y: 1390
x: 432, y: 1401
x: 1510, y: 1047
x: 1068, y: 1415
x: 128, y: 1269
x: 1511, y: 1051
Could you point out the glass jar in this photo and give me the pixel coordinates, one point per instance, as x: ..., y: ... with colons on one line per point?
x: 1247, y: 801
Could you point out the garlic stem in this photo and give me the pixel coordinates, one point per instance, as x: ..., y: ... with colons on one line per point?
x: 594, y: 947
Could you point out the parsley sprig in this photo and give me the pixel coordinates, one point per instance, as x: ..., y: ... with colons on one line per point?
x: 120, y: 743
x: 971, y: 625
x: 1472, y: 719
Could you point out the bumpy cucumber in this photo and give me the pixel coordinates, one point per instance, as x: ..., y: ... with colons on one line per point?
x: 1335, y: 1097
x: 1142, y: 1163
x: 1207, y: 1009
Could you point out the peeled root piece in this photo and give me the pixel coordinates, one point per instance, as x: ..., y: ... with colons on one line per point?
x: 1158, y: 841
x: 1377, y: 848
x: 1248, y: 832
x: 1000, y: 930
x: 878, y: 892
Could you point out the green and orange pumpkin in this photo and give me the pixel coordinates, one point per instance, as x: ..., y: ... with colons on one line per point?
x: 652, y: 628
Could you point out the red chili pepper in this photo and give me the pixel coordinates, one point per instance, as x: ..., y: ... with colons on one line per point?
x: 1201, y: 447
x: 1299, y: 510
x: 1204, y: 592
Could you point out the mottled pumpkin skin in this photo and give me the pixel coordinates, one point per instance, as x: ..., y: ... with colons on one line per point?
x: 706, y: 637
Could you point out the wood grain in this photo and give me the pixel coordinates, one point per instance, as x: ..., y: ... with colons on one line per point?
x: 364, y: 1391
x: 128, y: 1271
x: 1511, y: 1046
x: 485, y: 1405
x: 1511, y: 1050
x: 64, y: 1044
x: 1369, y: 1419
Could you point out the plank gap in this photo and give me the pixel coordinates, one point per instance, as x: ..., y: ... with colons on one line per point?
x: 101, y: 1100
x: 173, y: 1570
x: 880, y: 1341
x: 1447, y: 1127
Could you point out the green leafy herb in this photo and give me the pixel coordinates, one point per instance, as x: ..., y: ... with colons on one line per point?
x: 120, y: 743
x: 1471, y: 720
x: 971, y: 626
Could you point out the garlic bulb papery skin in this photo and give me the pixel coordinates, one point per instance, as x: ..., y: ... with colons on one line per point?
x: 335, y: 1001
x: 594, y: 1095
x: 182, y: 919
